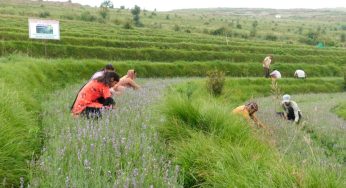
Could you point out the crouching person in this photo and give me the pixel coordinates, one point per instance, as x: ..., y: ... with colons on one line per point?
x: 248, y: 112
x: 94, y: 96
x: 291, y: 109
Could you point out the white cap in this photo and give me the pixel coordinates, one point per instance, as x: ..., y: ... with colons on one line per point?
x: 286, y: 98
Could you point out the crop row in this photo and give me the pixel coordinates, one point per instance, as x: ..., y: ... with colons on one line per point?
x: 73, y: 28
x: 186, y: 46
x: 40, y: 49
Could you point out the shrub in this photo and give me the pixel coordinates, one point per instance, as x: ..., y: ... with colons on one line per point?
x: 127, y: 25
x: 44, y: 14
x: 215, y: 82
x: 86, y: 16
x: 271, y: 37
x: 176, y: 27
x: 220, y: 31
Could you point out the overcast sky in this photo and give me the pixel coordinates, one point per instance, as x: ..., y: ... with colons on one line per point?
x: 162, y: 5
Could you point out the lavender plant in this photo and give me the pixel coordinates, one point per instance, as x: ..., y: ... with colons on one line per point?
x: 120, y: 150
x: 318, y: 143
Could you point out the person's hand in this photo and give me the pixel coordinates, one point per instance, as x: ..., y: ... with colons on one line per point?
x: 75, y: 115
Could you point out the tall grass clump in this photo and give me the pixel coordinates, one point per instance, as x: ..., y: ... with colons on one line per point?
x: 340, y: 110
x: 215, y: 82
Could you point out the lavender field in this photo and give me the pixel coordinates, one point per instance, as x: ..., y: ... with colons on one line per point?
x: 120, y: 150
x: 319, y: 139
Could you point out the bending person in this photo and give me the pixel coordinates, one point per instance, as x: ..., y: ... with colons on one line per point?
x: 275, y: 74
x: 291, y: 109
x: 300, y: 74
x: 248, y: 112
x: 127, y: 81
x: 94, y: 96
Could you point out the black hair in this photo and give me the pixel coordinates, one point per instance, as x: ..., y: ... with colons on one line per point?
x: 107, y: 78
x: 109, y: 67
x: 252, y: 105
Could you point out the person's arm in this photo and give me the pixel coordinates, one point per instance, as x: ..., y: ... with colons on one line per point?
x: 285, y: 111
x: 133, y: 84
x: 296, y: 112
x: 257, y: 121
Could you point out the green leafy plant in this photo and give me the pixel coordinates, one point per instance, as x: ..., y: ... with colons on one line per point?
x: 215, y: 82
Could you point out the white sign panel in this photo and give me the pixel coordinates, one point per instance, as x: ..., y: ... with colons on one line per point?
x: 44, y: 29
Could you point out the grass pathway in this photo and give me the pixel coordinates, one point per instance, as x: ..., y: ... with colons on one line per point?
x: 320, y: 138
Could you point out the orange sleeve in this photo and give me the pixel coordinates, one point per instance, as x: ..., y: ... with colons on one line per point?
x: 106, y: 93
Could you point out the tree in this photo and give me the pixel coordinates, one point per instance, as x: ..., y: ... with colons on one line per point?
x: 107, y: 4
x: 253, y: 30
x: 104, y: 12
x: 135, y: 13
x: 255, y: 24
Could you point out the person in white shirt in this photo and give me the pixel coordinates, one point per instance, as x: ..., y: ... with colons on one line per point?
x: 275, y: 74
x: 300, y: 74
x: 291, y: 109
x: 266, y: 65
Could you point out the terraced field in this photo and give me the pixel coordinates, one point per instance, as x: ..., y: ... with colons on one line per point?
x: 183, y: 43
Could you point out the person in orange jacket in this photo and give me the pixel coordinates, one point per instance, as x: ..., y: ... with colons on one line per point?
x: 248, y: 112
x: 94, y: 96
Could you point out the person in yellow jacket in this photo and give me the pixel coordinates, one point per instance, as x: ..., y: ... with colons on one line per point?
x: 248, y: 112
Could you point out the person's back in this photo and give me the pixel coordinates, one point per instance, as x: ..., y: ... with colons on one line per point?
x: 126, y: 81
x: 266, y: 65
x: 291, y: 109
x: 299, y: 74
x: 248, y: 112
x: 241, y: 110
x: 94, y: 95
x: 267, y: 61
x: 275, y: 74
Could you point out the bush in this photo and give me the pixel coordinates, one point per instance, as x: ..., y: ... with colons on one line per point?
x: 86, y: 16
x: 215, y: 82
x: 220, y: 31
x: 271, y: 37
x: 127, y: 25
x: 44, y: 14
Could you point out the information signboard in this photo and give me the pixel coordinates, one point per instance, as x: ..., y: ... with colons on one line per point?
x: 44, y: 29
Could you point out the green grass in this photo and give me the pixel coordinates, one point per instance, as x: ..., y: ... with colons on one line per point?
x: 340, y: 110
x: 217, y: 149
x: 24, y: 85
